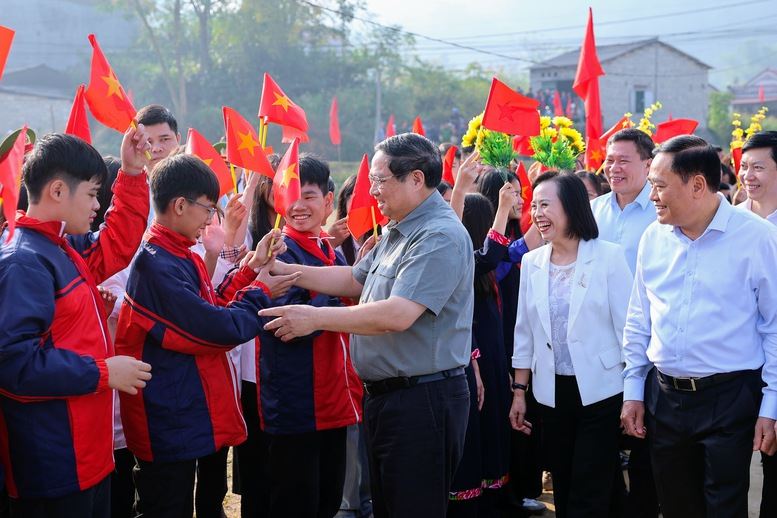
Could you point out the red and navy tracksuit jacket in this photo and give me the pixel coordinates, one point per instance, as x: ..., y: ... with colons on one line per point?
x: 307, y: 384
x: 172, y: 319
x: 56, y: 409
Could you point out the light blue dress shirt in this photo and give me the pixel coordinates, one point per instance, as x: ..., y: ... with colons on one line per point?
x: 624, y: 227
x: 707, y: 306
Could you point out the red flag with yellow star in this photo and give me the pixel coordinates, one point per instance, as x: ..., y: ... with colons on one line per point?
x: 243, y: 148
x: 276, y: 107
x: 78, y: 123
x: 286, y: 184
x: 199, y: 146
x: 107, y: 99
x: 527, y: 193
x: 510, y: 112
x: 418, y: 126
x: 586, y: 85
x: 10, y: 179
x: 363, y: 204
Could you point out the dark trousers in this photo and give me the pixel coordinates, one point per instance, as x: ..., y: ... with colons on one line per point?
x: 641, y: 500
x: 211, y: 485
x: 122, y: 486
x: 701, y: 445
x: 415, y: 438
x: 769, y: 491
x: 166, y: 489
x: 94, y: 502
x: 581, y: 445
x: 252, y: 460
x: 308, y: 472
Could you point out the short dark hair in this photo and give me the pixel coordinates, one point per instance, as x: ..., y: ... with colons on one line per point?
x: 692, y: 155
x: 105, y: 195
x: 573, y: 195
x: 443, y: 187
x: 313, y: 170
x: 762, y: 139
x: 591, y: 177
x: 641, y: 140
x: 330, y: 185
x: 60, y: 156
x: 182, y: 176
x: 157, y: 114
x: 409, y: 151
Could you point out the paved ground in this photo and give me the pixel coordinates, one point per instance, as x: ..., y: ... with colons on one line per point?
x: 232, y: 502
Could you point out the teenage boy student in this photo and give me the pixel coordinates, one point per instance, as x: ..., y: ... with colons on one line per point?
x: 57, y: 366
x: 308, y: 390
x: 173, y: 319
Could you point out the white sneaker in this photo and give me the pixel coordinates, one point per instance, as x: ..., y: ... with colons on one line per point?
x: 533, y: 506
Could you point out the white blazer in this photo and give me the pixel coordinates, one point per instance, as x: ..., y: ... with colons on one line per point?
x: 598, y: 303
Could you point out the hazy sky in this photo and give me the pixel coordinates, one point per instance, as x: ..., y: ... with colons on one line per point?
x: 714, y: 31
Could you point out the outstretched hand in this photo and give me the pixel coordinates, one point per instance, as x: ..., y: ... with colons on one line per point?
x: 135, y: 150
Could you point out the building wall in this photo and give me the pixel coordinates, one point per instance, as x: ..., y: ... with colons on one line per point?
x: 53, y: 32
x: 680, y: 83
x: 41, y: 114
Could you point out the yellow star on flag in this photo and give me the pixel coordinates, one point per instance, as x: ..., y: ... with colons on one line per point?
x: 114, y: 87
x: 208, y: 161
x: 247, y: 142
x: 282, y: 101
x: 525, y: 192
x: 289, y: 174
x: 596, y: 156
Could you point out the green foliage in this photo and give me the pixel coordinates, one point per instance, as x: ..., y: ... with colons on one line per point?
x: 719, y: 117
x: 197, y: 55
x: 496, y: 149
x: 556, y: 155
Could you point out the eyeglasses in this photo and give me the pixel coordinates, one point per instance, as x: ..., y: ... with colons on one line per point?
x: 380, y: 180
x: 212, y: 211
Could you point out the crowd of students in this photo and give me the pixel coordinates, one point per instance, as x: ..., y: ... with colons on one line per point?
x: 138, y: 344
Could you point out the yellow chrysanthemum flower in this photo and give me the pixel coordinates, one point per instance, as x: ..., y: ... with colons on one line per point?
x: 544, y: 122
x: 562, y: 122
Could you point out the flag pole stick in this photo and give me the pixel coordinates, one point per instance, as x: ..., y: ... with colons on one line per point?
x: 374, y: 224
x: 277, y: 226
x: 148, y: 153
x: 234, y: 178
x: 264, y: 132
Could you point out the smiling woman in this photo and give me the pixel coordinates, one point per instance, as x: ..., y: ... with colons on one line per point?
x: 568, y: 338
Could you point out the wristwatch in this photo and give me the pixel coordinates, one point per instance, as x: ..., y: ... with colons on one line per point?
x: 519, y: 386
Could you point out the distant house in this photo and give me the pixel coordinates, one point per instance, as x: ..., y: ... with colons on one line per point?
x: 51, y: 38
x: 38, y: 96
x: 637, y: 74
x: 759, y: 91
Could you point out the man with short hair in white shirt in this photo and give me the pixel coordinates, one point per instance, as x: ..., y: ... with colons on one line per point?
x: 624, y: 213
x: 622, y: 216
x: 758, y: 173
x: 692, y: 387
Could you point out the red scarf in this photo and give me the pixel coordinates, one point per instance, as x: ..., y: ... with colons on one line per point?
x: 309, y: 243
x: 55, y: 231
x: 180, y: 246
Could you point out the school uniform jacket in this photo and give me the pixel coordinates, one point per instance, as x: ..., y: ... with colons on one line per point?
x: 307, y: 384
x: 56, y: 409
x: 172, y: 319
